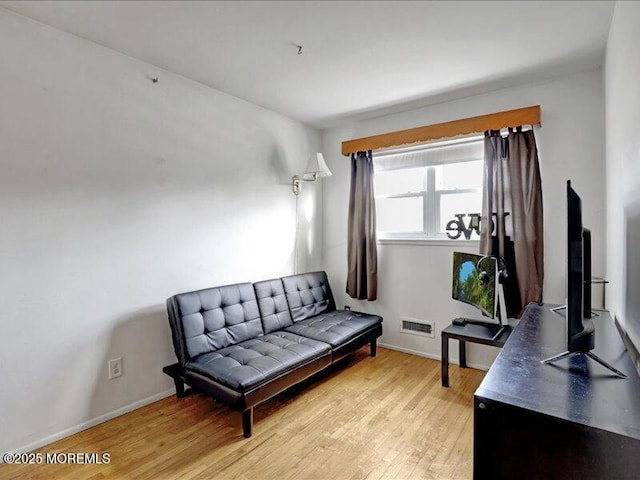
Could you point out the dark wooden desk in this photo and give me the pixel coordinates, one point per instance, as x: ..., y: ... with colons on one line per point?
x: 570, y: 420
x: 468, y: 333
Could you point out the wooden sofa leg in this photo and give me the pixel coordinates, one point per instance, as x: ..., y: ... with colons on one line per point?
x: 179, y: 387
x: 247, y: 422
x: 373, y: 347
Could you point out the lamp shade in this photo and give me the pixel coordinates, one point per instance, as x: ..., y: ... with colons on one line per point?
x: 317, y: 166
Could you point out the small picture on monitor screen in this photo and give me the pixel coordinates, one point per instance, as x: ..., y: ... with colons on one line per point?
x: 467, y: 287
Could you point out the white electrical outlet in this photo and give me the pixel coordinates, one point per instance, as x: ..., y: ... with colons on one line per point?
x: 115, y: 368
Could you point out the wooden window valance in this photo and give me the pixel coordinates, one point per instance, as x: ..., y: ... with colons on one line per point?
x: 492, y: 121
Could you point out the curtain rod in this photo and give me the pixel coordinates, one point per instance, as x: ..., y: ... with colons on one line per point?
x: 492, y: 121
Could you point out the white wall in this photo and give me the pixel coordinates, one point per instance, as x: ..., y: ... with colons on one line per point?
x: 622, y: 94
x: 415, y: 280
x: 116, y: 193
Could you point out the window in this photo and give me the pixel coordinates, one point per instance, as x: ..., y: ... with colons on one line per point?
x: 431, y: 192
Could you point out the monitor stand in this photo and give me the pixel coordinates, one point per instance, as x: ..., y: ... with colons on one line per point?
x: 499, y: 332
x: 495, y: 328
x: 502, y: 311
x: 499, y: 327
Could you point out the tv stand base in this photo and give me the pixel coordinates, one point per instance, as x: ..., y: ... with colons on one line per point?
x: 591, y: 355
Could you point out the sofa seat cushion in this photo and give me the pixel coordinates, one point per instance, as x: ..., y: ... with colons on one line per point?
x: 335, y: 327
x: 251, y: 363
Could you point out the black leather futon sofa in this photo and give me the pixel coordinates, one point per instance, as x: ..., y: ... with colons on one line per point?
x: 244, y: 343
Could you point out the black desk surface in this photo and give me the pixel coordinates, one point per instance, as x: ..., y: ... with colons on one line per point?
x: 577, y: 389
x: 478, y: 333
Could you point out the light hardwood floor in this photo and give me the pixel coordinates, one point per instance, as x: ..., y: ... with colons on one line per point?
x: 371, y: 418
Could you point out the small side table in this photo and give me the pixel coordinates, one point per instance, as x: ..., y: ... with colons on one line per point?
x: 470, y: 332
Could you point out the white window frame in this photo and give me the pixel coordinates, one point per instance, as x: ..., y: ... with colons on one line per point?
x: 431, y: 200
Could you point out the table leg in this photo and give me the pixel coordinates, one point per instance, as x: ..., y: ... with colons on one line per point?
x: 463, y: 353
x: 445, y: 360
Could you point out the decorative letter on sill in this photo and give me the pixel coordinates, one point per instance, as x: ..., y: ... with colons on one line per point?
x: 457, y: 226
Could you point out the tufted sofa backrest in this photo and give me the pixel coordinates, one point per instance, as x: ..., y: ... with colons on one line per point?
x: 213, y: 318
x: 273, y: 305
x: 308, y: 294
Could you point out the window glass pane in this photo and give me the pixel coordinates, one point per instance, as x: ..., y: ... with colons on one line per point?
x: 399, y: 214
x: 454, y: 203
x: 459, y: 175
x: 399, y: 181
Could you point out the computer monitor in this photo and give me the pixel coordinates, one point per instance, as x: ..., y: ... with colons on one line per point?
x: 468, y: 287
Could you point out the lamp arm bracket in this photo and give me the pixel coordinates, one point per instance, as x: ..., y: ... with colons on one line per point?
x: 298, y: 179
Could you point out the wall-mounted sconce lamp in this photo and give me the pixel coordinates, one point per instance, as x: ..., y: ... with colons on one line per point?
x: 316, y: 168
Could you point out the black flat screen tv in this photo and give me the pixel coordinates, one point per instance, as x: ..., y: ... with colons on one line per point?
x: 580, y: 331
x: 578, y: 316
x: 586, y: 273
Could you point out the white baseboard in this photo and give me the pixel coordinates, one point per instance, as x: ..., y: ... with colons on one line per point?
x: 431, y: 356
x: 92, y: 423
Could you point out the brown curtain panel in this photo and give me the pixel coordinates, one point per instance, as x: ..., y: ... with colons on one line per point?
x: 512, y: 214
x: 362, y: 253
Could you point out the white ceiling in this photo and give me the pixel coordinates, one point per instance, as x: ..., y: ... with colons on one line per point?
x: 358, y: 57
